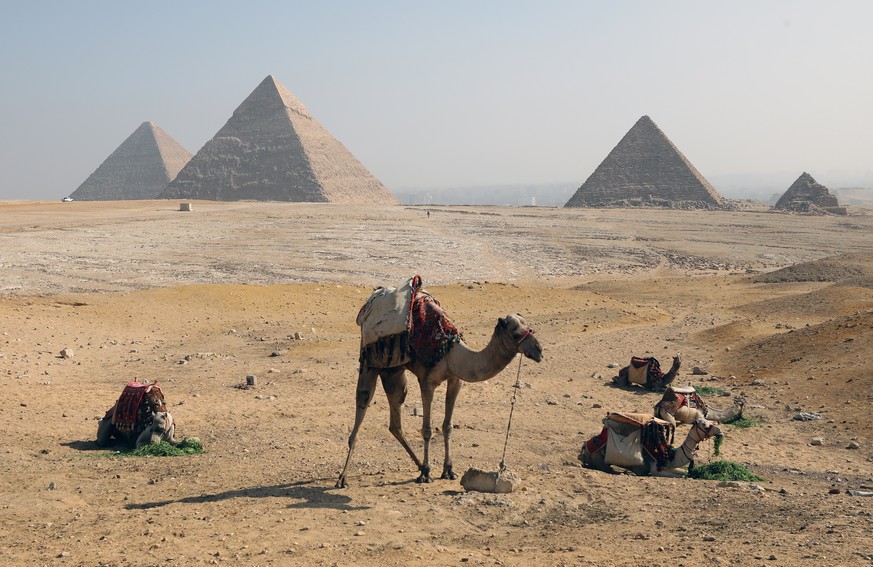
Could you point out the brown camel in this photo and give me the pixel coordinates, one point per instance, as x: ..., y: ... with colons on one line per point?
x: 681, y: 403
x: 511, y: 336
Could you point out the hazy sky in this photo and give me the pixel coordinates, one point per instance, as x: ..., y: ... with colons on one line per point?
x: 449, y: 93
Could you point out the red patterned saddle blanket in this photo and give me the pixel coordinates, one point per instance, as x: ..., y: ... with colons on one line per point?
x: 133, y: 410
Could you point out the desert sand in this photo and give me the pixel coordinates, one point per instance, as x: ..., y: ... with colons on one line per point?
x: 775, y: 307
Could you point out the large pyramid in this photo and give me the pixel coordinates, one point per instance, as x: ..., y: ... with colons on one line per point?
x: 139, y: 168
x: 806, y: 195
x: 645, y: 168
x: 271, y: 149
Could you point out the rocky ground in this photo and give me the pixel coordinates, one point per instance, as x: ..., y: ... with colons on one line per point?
x: 775, y: 307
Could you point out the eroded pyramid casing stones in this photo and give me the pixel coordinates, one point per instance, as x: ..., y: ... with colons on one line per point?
x: 806, y: 195
x: 272, y: 149
x: 645, y: 168
x: 139, y: 168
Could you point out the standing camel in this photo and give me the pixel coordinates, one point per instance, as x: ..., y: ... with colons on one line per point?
x: 511, y: 336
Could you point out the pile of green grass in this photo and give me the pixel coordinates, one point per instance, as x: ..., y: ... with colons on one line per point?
x: 709, y: 391
x: 744, y: 422
x: 724, y: 470
x: 188, y: 446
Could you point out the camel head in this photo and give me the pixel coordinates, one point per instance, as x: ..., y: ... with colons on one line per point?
x: 162, y: 426
x: 703, y: 430
x: 520, y: 336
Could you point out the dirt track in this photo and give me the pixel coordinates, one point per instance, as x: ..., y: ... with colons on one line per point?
x: 199, y: 300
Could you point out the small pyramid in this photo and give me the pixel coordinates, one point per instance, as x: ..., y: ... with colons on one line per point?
x: 272, y: 149
x: 809, y: 196
x: 646, y: 168
x: 139, y: 168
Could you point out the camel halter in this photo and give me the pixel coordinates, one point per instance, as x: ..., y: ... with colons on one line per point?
x: 526, y: 334
x: 512, y: 407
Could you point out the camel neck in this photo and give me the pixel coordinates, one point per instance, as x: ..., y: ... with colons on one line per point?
x: 478, y: 365
x: 686, y: 451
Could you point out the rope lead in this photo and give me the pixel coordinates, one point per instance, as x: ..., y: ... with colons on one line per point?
x: 511, y: 409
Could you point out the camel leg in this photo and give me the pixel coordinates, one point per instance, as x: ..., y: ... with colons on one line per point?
x: 426, y: 433
x: 453, y: 387
x: 366, y: 388
x: 394, y: 383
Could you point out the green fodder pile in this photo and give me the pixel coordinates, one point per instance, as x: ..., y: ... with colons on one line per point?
x: 743, y: 421
x: 188, y: 446
x: 709, y: 391
x: 724, y: 470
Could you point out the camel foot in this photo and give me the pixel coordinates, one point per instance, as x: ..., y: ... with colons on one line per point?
x: 341, y: 483
x: 424, y: 477
x: 448, y: 474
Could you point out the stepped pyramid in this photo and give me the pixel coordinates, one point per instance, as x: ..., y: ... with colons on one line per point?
x: 271, y: 149
x: 806, y: 195
x: 646, y: 168
x: 139, y: 168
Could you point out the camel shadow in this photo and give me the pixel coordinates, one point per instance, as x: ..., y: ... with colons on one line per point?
x: 84, y: 446
x: 633, y: 389
x: 312, y: 496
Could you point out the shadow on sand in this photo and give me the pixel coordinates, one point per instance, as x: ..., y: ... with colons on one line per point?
x: 311, y: 495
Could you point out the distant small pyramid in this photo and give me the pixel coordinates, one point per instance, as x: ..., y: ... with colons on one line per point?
x: 806, y: 195
x: 645, y: 168
x: 139, y: 168
x: 271, y: 149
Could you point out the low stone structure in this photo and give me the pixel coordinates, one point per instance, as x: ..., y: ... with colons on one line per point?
x: 272, y: 149
x: 806, y: 195
x: 139, y: 168
x: 646, y: 169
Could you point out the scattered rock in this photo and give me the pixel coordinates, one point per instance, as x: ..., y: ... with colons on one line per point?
x: 67, y: 353
x: 859, y: 493
x: 817, y: 441
x: 52, y: 485
x: 728, y: 484
x: 853, y: 445
x: 807, y: 416
x: 298, y: 337
x: 487, y: 481
x: 834, y: 491
x: 698, y: 371
x: 612, y: 365
x: 757, y: 382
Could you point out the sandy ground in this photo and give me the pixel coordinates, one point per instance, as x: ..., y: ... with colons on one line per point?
x: 199, y: 300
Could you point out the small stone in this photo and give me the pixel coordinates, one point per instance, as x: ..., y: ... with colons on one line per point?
x: 834, y: 491
x: 853, y: 445
x: 52, y: 486
x: 728, y: 484
x: 757, y: 382
x: 67, y: 353
x: 359, y: 533
x: 708, y: 538
x: 612, y: 365
x: 596, y: 406
x: 817, y: 441
x: 298, y: 337
x: 698, y: 371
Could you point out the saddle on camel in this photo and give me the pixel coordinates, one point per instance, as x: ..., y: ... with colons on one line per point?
x: 139, y: 417
x: 646, y: 372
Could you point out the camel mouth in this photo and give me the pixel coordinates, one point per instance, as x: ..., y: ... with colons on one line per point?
x: 535, y: 356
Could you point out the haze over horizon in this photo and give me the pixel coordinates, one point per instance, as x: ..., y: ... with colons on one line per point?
x: 452, y: 94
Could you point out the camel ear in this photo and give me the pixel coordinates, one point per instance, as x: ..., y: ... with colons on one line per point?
x: 501, y: 323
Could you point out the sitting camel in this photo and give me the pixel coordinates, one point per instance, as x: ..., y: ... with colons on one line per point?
x: 139, y: 417
x: 683, y: 404
x: 658, y: 459
x: 646, y: 372
x: 457, y: 362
